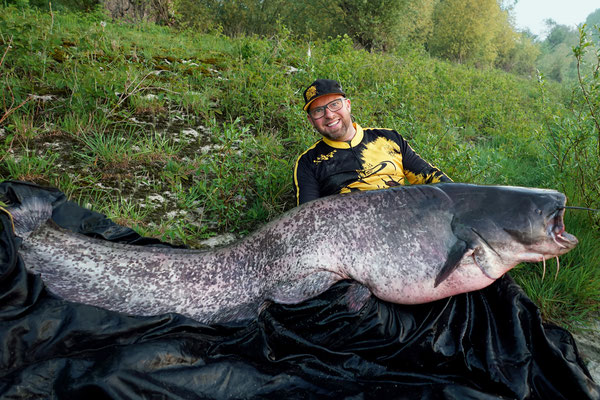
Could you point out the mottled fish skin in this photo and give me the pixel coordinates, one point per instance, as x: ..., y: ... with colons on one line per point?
x: 407, y: 245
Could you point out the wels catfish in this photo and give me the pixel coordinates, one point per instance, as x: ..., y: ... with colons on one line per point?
x: 407, y: 245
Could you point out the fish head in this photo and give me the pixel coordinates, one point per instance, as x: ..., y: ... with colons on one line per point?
x: 541, y: 232
x: 515, y: 224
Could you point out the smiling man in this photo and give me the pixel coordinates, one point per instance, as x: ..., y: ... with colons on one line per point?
x: 350, y: 157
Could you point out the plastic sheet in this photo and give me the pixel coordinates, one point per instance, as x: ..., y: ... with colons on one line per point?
x: 487, y: 344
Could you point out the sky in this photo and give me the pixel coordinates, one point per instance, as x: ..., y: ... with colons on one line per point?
x: 532, y: 13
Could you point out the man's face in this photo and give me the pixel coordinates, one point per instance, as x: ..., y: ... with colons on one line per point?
x: 334, y: 125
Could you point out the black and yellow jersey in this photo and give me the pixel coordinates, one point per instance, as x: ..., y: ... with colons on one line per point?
x: 374, y: 159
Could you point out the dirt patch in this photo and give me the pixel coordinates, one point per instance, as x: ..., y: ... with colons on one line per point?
x: 588, y: 344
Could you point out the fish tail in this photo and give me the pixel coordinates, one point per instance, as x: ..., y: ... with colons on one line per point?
x: 32, y: 213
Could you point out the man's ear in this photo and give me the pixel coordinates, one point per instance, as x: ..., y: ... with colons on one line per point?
x: 310, y: 119
x: 349, y: 107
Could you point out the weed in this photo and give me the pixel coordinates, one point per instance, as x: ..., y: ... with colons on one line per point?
x: 123, y: 211
x: 30, y: 166
x: 106, y: 148
x: 155, y: 146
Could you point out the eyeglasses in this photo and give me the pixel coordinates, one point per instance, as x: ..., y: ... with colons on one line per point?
x: 319, y: 112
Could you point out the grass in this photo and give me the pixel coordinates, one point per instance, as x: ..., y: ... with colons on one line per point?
x: 185, y: 136
x: 110, y: 149
x: 30, y: 167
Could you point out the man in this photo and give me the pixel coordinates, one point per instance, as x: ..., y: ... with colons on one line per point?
x: 350, y: 157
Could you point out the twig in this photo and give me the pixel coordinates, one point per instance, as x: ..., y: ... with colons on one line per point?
x: 9, y: 148
x: 6, y: 51
x: 126, y: 95
x: 12, y: 110
x: 137, y: 89
x: 51, y: 17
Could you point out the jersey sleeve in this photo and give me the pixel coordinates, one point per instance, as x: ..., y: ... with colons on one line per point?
x: 305, y: 182
x: 416, y: 169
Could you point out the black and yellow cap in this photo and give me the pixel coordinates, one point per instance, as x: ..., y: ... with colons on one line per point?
x: 319, y: 88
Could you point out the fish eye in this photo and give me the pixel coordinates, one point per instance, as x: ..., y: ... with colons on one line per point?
x: 538, y: 211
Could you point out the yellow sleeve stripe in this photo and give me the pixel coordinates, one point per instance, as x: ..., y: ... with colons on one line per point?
x: 378, y: 129
x: 296, y: 172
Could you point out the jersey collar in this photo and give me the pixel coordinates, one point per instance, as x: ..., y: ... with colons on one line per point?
x: 358, y: 137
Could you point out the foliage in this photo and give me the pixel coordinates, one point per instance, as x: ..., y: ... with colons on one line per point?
x: 377, y: 25
x: 520, y: 59
x: 592, y: 24
x: 556, y: 61
x: 57, y: 5
x: 573, y: 139
x: 471, y: 31
x: 372, y: 24
x: 249, y: 16
x: 246, y: 17
x: 592, y: 21
x: 195, y: 15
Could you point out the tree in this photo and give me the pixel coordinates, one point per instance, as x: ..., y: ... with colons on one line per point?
x: 593, y: 24
x: 194, y: 14
x: 593, y: 18
x: 560, y: 34
x: 504, y: 40
x: 373, y: 24
x: 471, y: 31
x: 416, y: 21
x: 521, y: 60
x: 556, y: 61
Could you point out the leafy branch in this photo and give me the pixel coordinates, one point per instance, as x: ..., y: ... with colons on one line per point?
x: 579, y: 51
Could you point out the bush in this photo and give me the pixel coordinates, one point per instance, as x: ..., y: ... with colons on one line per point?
x: 573, y: 139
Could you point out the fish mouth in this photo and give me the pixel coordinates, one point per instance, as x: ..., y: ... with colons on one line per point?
x: 556, y: 230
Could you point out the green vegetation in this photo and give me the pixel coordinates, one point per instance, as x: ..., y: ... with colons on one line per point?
x: 568, y: 293
x: 555, y: 59
x: 184, y: 134
x: 474, y: 32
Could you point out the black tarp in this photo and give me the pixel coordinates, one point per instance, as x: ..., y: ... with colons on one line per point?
x: 482, y: 345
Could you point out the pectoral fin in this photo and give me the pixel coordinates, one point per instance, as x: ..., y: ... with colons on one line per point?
x: 458, y: 250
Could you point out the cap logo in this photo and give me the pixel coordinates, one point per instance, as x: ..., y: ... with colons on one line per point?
x: 311, y: 92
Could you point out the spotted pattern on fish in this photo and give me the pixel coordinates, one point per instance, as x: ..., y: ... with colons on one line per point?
x: 406, y: 245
